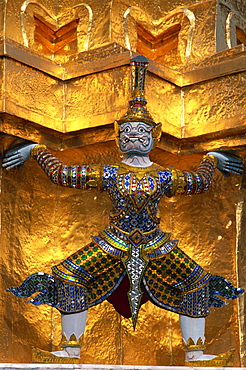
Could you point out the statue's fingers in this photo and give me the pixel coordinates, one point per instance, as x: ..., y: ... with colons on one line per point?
x: 234, y: 160
x: 11, y: 152
x: 10, y: 167
x: 237, y: 162
x: 233, y: 169
x: 10, y: 158
x: 12, y: 163
x: 234, y: 166
x: 239, y: 169
x: 237, y: 172
x: 231, y: 166
x: 239, y: 165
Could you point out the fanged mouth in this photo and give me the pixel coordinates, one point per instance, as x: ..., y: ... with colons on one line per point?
x: 134, y: 139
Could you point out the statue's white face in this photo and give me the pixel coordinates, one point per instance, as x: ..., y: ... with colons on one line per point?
x: 135, y: 137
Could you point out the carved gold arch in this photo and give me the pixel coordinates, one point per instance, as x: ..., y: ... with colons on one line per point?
x: 161, y: 25
x: 57, y: 20
x: 234, y: 21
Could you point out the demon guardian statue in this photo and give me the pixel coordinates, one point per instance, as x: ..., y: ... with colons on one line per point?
x: 133, y: 249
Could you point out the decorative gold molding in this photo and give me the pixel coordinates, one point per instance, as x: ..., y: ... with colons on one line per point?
x: 114, y: 55
x: 72, y: 341
x: 35, y: 150
x: 192, y: 346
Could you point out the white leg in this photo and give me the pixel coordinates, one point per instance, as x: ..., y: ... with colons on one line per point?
x: 193, y: 330
x: 73, y: 327
x: 74, y: 323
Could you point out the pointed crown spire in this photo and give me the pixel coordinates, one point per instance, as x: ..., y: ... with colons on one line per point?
x: 137, y: 110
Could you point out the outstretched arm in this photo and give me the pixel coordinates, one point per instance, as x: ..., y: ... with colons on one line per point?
x: 184, y: 182
x: 199, y: 181
x: 82, y: 177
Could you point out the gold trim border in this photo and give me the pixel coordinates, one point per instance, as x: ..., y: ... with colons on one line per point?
x: 230, y: 62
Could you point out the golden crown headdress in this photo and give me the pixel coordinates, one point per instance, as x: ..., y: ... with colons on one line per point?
x: 137, y: 111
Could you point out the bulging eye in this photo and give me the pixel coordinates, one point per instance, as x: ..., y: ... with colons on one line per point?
x: 127, y: 129
x: 141, y: 130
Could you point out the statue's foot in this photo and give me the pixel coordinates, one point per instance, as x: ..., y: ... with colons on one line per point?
x: 58, y: 357
x: 223, y: 360
x: 65, y: 353
x: 197, y: 356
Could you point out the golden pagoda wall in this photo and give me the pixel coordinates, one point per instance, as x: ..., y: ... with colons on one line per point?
x: 106, y: 22
x: 79, y: 94
x: 92, y: 101
x: 69, y: 99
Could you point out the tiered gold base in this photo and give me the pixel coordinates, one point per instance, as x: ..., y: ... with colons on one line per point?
x: 223, y: 360
x: 45, y: 357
